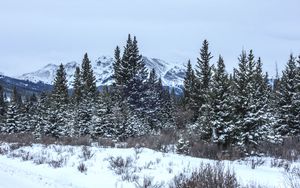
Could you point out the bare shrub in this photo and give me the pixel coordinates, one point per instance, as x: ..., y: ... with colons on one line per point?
x: 26, y: 156
x: 156, y: 142
x: 124, y: 168
x: 256, y: 162
x: 183, y: 117
x: 106, y: 142
x: 120, y: 165
x: 289, y: 149
x: 75, y: 141
x: 57, y: 163
x: 86, y: 153
x: 137, y: 152
x: 203, y: 149
x: 39, y: 160
x: 148, y: 183
x: 292, y: 178
x: 280, y: 163
x: 207, y: 176
x: 24, y: 138
x: 82, y: 168
x: 47, y: 140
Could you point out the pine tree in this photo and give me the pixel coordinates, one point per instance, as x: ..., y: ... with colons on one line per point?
x: 117, y: 67
x: 152, y: 101
x: 13, y: 124
x: 167, y: 114
x: 56, y: 113
x: 134, y: 77
x: 203, y: 70
x: 189, y: 87
x: 16, y: 97
x: 203, y: 78
x: 296, y: 99
x: 202, y: 93
x: 288, y: 122
x: 251, y: 95
x: 88, y: 78
x: 2, y: 102
x: 221, y: 105
x: 77, y: 86
x: 60, y: 91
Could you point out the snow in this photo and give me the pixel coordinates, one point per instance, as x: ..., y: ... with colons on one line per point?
x: 161, y: 167
x: 171, y: 74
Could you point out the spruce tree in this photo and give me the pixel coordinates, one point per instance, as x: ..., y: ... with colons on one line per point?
x: 13, y: 124
x: 189, y: 87
x: 152, y: 101
x: 117, y: 67
x: 2, y: 102
x: 221, y: 105
x: 88, y: 78
x: 56, y: 114
x: 77, y: 86
x: 251, y: 96
x: 288, y: 123
x: 60, y: 91
x: 134, y: 75
x: 203, y: 70
x: 203, y: 78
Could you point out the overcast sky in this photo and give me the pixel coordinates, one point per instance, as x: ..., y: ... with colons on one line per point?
x: 34, y: 33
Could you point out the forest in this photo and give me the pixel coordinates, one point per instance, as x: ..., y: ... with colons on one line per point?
x: 241, y: 110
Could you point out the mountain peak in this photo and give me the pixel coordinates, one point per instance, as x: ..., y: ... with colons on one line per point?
x: 172, y: 75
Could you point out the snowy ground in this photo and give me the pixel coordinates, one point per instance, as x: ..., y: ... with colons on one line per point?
x: 57, y: 166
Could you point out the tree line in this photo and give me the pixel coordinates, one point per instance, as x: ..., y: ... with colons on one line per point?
x: 239, y: 109
x: 137, y: 104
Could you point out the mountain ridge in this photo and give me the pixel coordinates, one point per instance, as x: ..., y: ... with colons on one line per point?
x: 172, y: 75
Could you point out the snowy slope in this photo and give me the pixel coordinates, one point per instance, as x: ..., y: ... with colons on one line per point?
x: 34, y: 166
x: 172, y: 75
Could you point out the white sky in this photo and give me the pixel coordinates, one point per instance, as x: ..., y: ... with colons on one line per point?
x: 34, y: 33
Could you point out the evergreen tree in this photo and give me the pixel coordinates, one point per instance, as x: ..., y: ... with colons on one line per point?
x: 88, y: 78
x: 251, y: 98
x: 134, y: 77
x: 288, y: 102
x: 203, y: 78
x: 2, y: 102
x: 77, y: 86
x: 189, y: 87
x: 13, y: 124
x: 16, y: 97
x: 203, y: 70
x: 152, y: 101
x: 117, y: 67
x: 222, y: 124
x: 56, y: 113
x: 60, y: 91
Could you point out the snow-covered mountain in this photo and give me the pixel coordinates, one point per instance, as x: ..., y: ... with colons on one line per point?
x: 172, y: 75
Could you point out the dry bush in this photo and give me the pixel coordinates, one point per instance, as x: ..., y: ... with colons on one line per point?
x: 292, y: 178
x: 213, y: 151
x: 82, y: 168
x: 105, y: 142
x: 207, y: 176
x: 120, y: 165
x: 57, y: 163
x: 156, y: 142
x: 148, y: 183
x: 24, y: 138
x: 86, y: 153
x: 183, y: 117
x: 74, y: 141
x: 124, y: 167
x: 289, y: 149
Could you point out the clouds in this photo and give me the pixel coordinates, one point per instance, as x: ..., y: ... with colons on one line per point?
x: 51, y: 31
